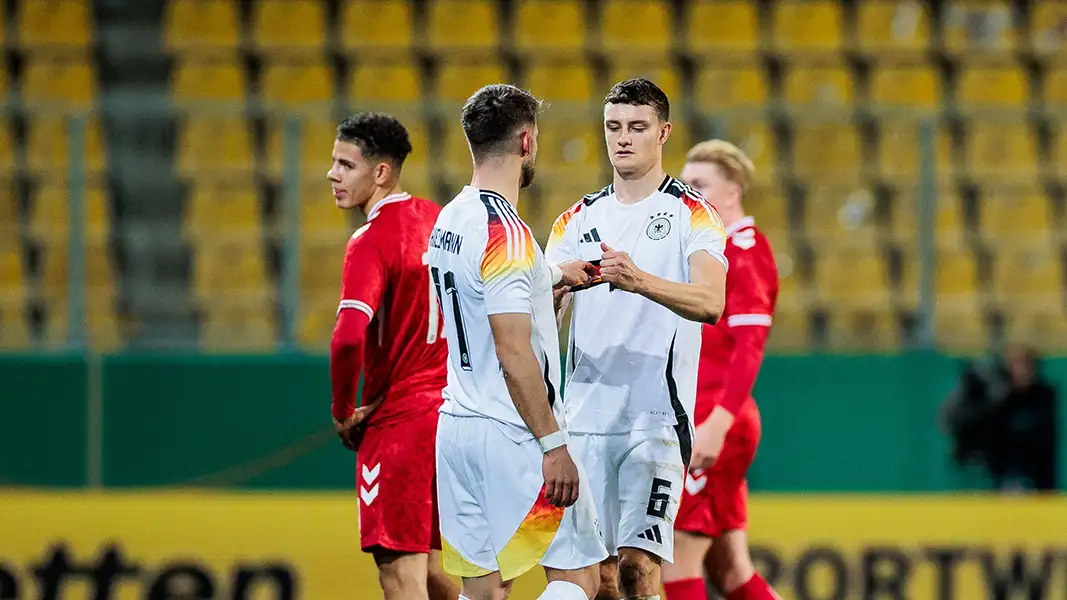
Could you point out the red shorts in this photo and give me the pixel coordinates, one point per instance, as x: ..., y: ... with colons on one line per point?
x: 715, y: 500
x: 395, y: 474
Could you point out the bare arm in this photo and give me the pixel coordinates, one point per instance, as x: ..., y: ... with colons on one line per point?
x: 701, y: 300
x: 522, y: 372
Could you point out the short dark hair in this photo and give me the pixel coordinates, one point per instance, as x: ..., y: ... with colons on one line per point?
x: 640, y: 92
x: 494, y: 114
x: 379, y: 136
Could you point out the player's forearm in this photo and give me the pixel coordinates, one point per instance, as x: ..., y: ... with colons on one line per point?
x: 522, y: 374
x: 693, y: 301
x: 745, y: 362
x: 346, y: 361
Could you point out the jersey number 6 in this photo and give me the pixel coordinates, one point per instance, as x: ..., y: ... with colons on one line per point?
x: 659, y: 500
x: 461, y: 334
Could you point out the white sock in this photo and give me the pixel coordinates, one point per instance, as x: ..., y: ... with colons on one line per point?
x: 563, y: 590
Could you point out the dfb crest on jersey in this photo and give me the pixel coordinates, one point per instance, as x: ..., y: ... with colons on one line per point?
x: 659, y: 227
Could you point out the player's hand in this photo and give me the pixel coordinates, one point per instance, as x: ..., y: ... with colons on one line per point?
x: 710, y: 437
x: 561, y: 477
x: 559, y: 296
x: 351, y: 429
x: 576, y: 272
x: 618, y: 269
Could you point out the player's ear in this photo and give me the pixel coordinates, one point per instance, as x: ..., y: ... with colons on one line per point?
x: 664, y: 132
x: 383, y: 172
x: 526, y: 142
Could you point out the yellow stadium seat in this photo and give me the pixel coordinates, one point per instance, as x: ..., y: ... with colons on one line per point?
x: 1042, y: 329
x: 421, y: 155
x: 222, y: 213
x: 287, y: 85
x: 757, y: 141
x: 238, y: 328
x: 8, y: 158
x: 863, y: 330
x: 315, y: 148
x: 14, y: 335
x: 50, y: 217
x: 825, y: 150
x: 51, y: 24
x: 463, y: 26
x: 1001, y: 153
x: 568, y: 82
x: 10, y: 200
x: 664, y: 77
x: 567, y: 146
x: 377, y: 82
x: 1048, y: 38
x: 636, y: 28
x: 1058, y: 158
x: 768, y: 206
x: 4, y: 81
x: 215, y: 146
x: 840, y: 215
x: 815, y: 87
x: 1019, y: 216
x: 956, y: 279
x: 12, y: 279
x: 900, y: 151
x: 457, y: 82
x: 48, y: 146
x: 791, y: 330
x: 99, y: 275
x: 101, y: 325
x: 322, y: 223
x: 377, y: 26
x: 317, y: 320
x: 731, y: 89
x: 961, y: 329
x: 1028, y: 277
x: 321, y: 268
x: 979, y: 27
x: 231, y: 271
x: 909, y: 87
x: 289, y: 26
x: 806, y: 27
x: 717, y: 28
x: 203, y: 26
x: 889, y: 27
x: 948, y: 218
x: 208, y: 81
x: 852, y: 278
x: 57, y: 81
x: 549, y: 27
x: 457, y: 161
x: 993, y: 87
x: 1056, y: 88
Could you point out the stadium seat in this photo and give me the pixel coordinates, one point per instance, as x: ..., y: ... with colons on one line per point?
x: 956, y: 280
x: 421, y: 156
x: 756, y: 139
x: 717, y: 28
x: 5, y: 82
x: 208, y: 81
x: 289, y: 26
x: 229, y: 272
x: 863, y: 330
x: 55, y: 274
x: 297, y: 85
x: 377, y: 26
x: 10, y: 201
x: 840, y: 215
x: 829, y: 87
x: 1048, y: 36
x: 664, y: 77
x: 1058, y: 157
x: 239, y: 328
x: 636, y: 28
x: 961, y: 329
x: 12, y: 279
x: 546, y: 28
x: 948, y: 220
x: 8, y: 156
x: 1020, y: 216
x: 791, y: 330
x: 571, y: 83
x: 466, y: 27
x: 51, y: 213
x: 201, y: 26
x: 908, y: 87
x: 322, y: 224
x: 979, y: 27
x: 316, y: 324
x: 456, y: 161
x: 211, y: 146
x: 731, y: 89
x: 14, y: 334
x: 65, y: 82
x: 888, y: 28
x: 456, y: 81
x: 992, y: 88
x: 851, y: 278
x: 315, y: 147
x: 768, y: 206
x: 376, y: 82
x: 1042, y: 329
x: 48, y: 146
x: 826, y: 150
x: 1055, y: 87
x: 321, y: 268
x: 55, y: 24
x: 567, y: 146
x: 101, y: 325
x: 219, y: 212
x: 899, y: 156
x: 1000, y: 152
x: 1028, y: 278
x: 806, y: 27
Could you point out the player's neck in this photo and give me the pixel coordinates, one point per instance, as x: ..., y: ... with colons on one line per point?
x: 630, y: 190
x: 379, y: 195
x: 500, y: 180
x: 731, y: 216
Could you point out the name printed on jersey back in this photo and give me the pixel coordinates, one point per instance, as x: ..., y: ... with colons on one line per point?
x: 449, y: 241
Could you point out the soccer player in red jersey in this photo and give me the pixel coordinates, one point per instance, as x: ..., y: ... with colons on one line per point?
x: 711, y: 523
x: 388, y: 328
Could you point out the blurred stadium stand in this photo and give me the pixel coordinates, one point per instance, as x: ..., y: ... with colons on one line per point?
x: 191, y: 185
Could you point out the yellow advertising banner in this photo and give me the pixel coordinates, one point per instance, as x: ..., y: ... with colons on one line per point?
x: 178, y: 545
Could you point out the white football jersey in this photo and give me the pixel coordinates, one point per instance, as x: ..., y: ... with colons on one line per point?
x: 484, y: 261
x: 632, y: 363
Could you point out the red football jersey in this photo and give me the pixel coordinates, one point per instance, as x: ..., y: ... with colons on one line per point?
x: 386, y: 276
x: 751, y: 294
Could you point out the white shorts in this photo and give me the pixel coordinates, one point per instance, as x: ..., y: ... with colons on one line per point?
x: 641, y: 474
x: 494, y: 516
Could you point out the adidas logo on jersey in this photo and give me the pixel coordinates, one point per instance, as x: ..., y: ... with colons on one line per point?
x: 651, y: 534
x: 591, y: 236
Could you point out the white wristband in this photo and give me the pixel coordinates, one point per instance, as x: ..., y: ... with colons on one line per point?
x: 551, y: 441
x: 556, y: 273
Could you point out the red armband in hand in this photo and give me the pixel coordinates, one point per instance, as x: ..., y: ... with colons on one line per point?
x: 346, y: 360
x: 749, y: 341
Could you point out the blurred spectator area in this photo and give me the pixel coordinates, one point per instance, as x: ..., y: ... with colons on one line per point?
x: 191, y: 187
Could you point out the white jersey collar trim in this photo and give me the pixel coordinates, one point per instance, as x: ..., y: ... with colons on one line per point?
x: 743, y: 223
x: 390, y: 199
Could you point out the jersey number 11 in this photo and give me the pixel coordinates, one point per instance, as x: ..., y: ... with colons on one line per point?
x: 450, y: 290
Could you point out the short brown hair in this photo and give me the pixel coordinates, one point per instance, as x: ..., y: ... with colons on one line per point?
x: 735, y: 165
x: 494, y: 114
x: 640, y: 92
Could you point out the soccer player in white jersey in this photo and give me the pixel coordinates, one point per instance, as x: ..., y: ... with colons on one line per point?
x: 510, y: 495
x: 635, y: 336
